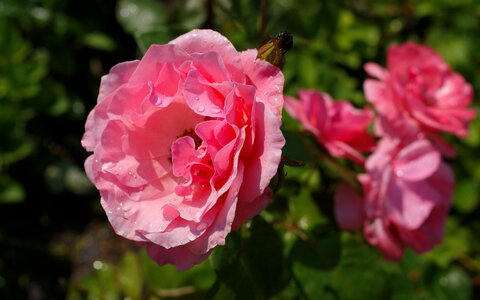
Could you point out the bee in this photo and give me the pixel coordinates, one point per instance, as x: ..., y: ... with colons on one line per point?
x: 274, y: 50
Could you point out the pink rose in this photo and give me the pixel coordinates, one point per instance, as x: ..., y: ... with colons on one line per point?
x: 337, y: 125
x: 420, y: 86
x: 185, y: 142
x: 407, y: 191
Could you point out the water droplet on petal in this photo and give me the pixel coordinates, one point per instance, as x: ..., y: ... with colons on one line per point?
x: 215, y: 110
x: 201, y: 108
x: 399, y: 173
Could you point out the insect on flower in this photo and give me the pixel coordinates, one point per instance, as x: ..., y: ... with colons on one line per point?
x: 274, y: 50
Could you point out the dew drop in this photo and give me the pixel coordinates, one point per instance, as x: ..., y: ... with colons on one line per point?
x: 399, y: 173
x: 201, y: 108
x: 215, y: 110
x: 265, y: 93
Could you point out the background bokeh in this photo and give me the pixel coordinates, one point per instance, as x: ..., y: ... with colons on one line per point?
x: 55, y: 241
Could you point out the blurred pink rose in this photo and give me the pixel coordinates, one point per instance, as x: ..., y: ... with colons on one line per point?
x: 337, y: 125
x: 407, y: 190
x: 185, y: 142
x: 420, y: 86
x: 349, y: 208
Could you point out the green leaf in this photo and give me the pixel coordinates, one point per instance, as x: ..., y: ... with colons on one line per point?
x: 313, y: 283
x: 303, y: 210
x: 320, y: 251
x: 99, y: 41
x: 100, y: 284
x: 456, y: 242
x: 465, y: 198
x: 65, y: 175
x: 158, y: 36
x: 359, y: 275
x: 76, y: 180
x: 252, y: 266
x: 452, y: 283
x: 166, y: 277
x: 10, y: 190
x: 130, y: 276
x: 138, y: 16
x: 220, y: 291
x: 313, y: 260
x: 294, y: 147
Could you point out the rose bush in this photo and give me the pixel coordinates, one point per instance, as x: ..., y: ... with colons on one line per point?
x: 337, y: 125
x: 185, y: 142
x: 419, y: 88
x: 407, y: 188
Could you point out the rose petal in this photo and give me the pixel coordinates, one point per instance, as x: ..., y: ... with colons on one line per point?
x: 349, y: 210
x: 417, y: 161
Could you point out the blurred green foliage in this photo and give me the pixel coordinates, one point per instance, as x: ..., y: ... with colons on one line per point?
x: 52, y: 54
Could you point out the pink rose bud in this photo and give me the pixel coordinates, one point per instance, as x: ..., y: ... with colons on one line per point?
x: 337, y: 125
x: 185, y: 142
x: 419, y: 86
x: 407, y: 193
